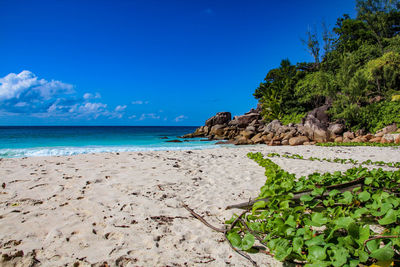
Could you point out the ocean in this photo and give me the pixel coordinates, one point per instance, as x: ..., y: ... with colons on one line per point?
x: 21, y: 141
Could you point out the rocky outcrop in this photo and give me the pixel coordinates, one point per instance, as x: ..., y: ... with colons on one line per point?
x: 299, y: 140
x: 217, y: 131
x: 314, y: 128
x: 219, y: 118
x: 391, y: 138
x: 321, y: 114
x: 245, y: 120
x: 390, y: 129
x: 272, y: 127
x: 336, y: 128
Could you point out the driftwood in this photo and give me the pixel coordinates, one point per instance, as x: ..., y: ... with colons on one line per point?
x: 341, y: 187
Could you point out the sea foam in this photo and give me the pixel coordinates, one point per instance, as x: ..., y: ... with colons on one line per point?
x: 68, y: 151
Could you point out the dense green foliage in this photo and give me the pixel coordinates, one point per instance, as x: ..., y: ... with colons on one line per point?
x: 330, y: 144
x: 323, y: 219
x: 336, y: 160
x: 358, y: 72
x: 292, y: 118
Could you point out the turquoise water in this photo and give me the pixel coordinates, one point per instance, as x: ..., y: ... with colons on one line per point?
x: 72, y: 140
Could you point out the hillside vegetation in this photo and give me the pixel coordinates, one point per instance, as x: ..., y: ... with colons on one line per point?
x: 356, y: 70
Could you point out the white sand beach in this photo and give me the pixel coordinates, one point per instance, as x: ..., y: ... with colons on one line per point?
x: 124, y: 209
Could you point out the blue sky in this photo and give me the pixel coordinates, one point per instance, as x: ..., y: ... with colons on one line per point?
x: 145, y: 62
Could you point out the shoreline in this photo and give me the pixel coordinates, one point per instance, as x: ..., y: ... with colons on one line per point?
x: 66, y: 151
x: 125, y: 208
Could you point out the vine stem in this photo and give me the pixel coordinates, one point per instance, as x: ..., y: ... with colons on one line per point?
x: 252, y: 232
x: 224, y: 231
x: 197, y: 216
x: 240, y: 252
x: 297, y: 195
x: 378, y: 237
x: 345, y: 161
x: 237, y: 219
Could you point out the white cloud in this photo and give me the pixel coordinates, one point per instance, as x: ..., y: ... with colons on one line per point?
x: 145, y: 116
x: 180, y: 118
x: 25, y: 93
x: 120, y: 108
x: 21, y: 104
x: 139, y: 102
x: 91, y: 96
x: 87, y: 96
x: 132, y: 117
x: 27, y: 85
x: 92, y: 107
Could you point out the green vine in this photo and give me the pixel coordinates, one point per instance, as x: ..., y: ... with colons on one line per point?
x: 322, y: 219
x: 331, y: 144
x: 337, y: 160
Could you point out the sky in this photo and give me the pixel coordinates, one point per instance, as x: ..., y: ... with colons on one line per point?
x: 146, y: 62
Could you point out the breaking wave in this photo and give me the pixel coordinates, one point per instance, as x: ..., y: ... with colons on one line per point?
x: 68, y: 151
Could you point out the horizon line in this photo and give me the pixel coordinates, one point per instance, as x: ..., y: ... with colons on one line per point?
x: 99, y: 126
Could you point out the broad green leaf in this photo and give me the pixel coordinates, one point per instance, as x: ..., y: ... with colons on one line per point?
x: 348, y: 242
x: 359, y: 212
x: 353, y: 263
x: 270, y: 173
x: 355, y: 190
x: 290, y: 231
x: 284, y: 204
x: 318, y: 264
x: 318, y: 191
x: 306, y: 198
x: 247, y: 241
x: 383, y: 254
x: 265, y: 191
x: 364, y: 234
x: 364, y: 196
x: 337, y: 173
x: 343, y: 222
x: 340, y: 255
x: 281, y: 248
x: 373, y: 245
x: 368, y: 180
x: 282, y: 252
x: 318, y: 219
x: 255, y: 226
x: 334, y: 192
x: 363, y: 255
x: 291, y: 221
x: 393, y: 200
x: 315, y: 241
x: 383, y: 209
x: 298, y: 245
x: 347, y: 198
x: 235, y: 239
x: 316, y: 253
x: 259, y: 205
x: 389, y: 218
x: 272, y: 243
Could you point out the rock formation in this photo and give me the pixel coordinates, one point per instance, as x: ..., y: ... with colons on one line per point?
x: 314, y: 128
